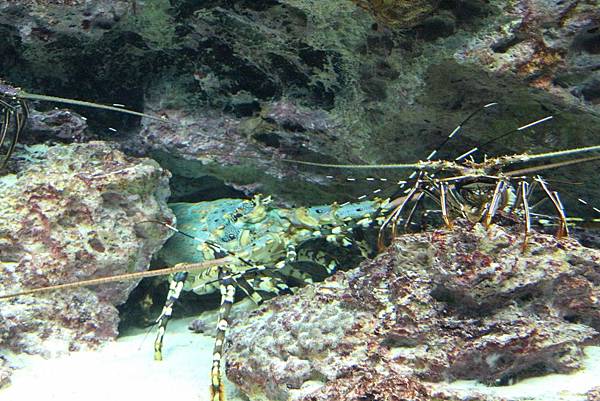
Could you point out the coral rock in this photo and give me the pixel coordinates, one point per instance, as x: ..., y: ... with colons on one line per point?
x: 437, y: 306
x: 72, y: 213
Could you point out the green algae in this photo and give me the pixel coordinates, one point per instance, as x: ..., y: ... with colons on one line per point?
x: 155, y: 23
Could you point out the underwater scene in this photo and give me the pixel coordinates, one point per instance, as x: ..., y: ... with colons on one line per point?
x: 300, y: 200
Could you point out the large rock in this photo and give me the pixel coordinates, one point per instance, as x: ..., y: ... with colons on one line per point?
x: 436, y: 306
x: 37, y: 18
x: 358, y: 81
x: 67, y: 214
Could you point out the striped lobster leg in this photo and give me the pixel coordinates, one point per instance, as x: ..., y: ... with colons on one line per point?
x: 227, y: 288
x: 175, y: 287
x: 9, y: 136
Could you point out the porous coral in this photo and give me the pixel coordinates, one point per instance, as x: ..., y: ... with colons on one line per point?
x: 437, y: 306
x: 71, y: 212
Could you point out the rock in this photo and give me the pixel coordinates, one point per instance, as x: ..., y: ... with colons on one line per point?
x: 70, y: 213
x: 45, y: 20
x: 436, y: 306
x: 593, y: 394
x: 253, y: 83
x: 550, y: 45
x: 399, y: 13
x: 55, y: 125
x: 243, y: 153
x: 5, y: 373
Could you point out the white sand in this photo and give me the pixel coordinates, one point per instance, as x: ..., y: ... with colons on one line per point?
x: 125, y: 370
x: 121, y: 370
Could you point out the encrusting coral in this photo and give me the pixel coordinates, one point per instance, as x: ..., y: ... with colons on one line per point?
x: 68, y: 213
x: 436, y: 306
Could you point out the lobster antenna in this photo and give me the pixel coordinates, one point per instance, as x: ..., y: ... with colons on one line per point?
x: 521, y: 128
x: 550, y: 166
x: 439, y: 147
x: 583, y: 202
x: 435, y: 165
x: 123, y: 277
x: 33, y: 96
x: 402, y: 183
x: 458, y: 128
x: 415, y: 166
x: 504, y: 135
x: 527, y: 158
x: 406, y: 166
x: 444, y: 164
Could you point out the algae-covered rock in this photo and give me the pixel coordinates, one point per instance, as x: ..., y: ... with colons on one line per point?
x: 361, y: 81
x: 437, y: 306
x: 399, y: 13
x: 70, y: 213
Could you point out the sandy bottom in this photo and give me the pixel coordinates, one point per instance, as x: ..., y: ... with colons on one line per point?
x: 121, y: 370
x: 125, y: 370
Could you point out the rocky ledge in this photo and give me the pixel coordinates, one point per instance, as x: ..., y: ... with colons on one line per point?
x: 468, y: 303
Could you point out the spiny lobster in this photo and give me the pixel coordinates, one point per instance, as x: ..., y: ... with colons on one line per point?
x: 476, y: 191
x: 253, y: 245
x: 263, y: 242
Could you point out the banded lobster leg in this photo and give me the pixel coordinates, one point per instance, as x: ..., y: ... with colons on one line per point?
x: 228, y: 282
x: 321, y: 257
x: 395, y: 215
x: 522, y: 193
x: 494, y: 203
x: 558, y: 206
x: 177, y: 282
x: 424, y: 187
x: 20, y: 113
x: 444, y: 204
x: 227, y: 289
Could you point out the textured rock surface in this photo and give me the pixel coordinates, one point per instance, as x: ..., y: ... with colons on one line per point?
x: 245, y: 153
x: 41, y: 19
x: 70, y: 213
x: 464, y: 304
x: 55, y: 125
x: 551, y: 45
x: 594, y: 394
x: 5, y: 373
x: 355, y: 81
